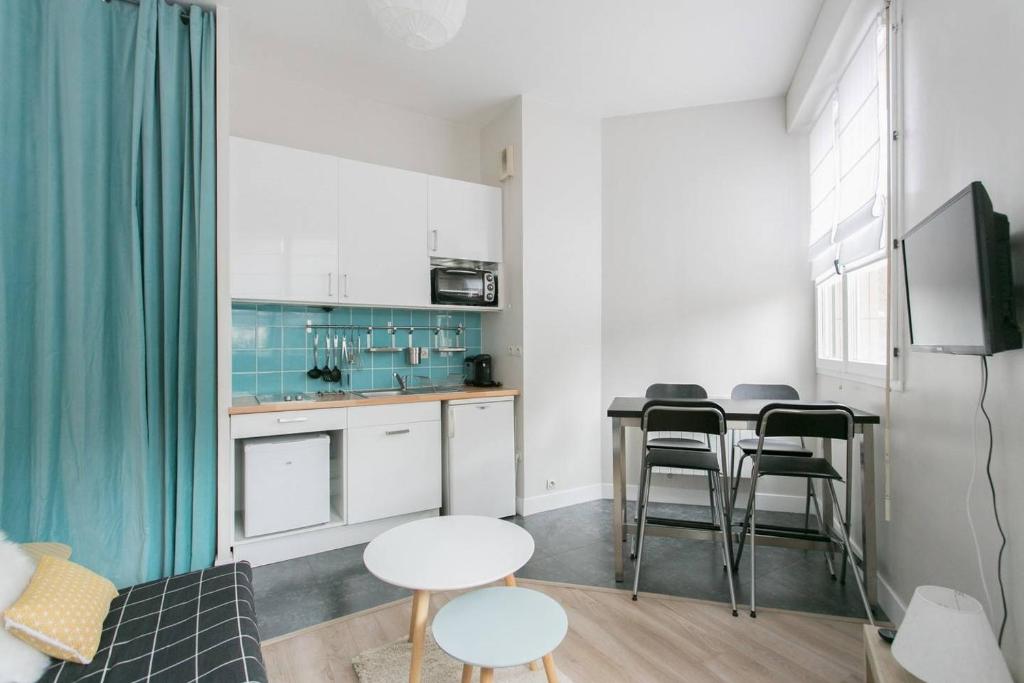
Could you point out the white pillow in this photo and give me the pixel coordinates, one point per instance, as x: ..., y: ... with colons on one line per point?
x: 19, y: 661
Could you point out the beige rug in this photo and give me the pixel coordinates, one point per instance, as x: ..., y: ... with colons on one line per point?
x: 390, y: 664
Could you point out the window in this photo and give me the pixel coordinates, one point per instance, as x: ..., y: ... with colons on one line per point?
x: 867, y: 303
x: 830, y: 319
x: 848, y: 161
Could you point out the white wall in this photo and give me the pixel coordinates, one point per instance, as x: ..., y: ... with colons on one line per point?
x: 322, y: 119
x: 506, y: 328
x: 561, y: 166
x: 705, y: 270
x: 964, y: 105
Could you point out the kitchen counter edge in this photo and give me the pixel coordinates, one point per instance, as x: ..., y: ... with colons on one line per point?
x: 288, y: 406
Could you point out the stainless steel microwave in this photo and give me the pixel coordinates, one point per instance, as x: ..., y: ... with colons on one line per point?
x: 463, y: 286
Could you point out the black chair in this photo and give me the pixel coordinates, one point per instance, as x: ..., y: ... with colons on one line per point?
x: 824, y: 421
x: 680, y: 392
x: 703, y: 417
x: 772, y: 446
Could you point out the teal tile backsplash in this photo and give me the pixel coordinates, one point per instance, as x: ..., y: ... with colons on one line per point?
x: 271, y: 352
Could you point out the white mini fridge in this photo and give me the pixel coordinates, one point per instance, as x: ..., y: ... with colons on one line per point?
x: 479, y: 457
x: 287, y: 483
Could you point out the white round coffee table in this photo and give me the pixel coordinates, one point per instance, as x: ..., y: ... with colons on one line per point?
x: 497, y: 628
x: 442, y: 554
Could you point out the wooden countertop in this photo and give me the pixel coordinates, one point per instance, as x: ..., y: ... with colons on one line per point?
x: 249, y: 405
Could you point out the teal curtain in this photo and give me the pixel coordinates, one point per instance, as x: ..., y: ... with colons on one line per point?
x: 107, y: 288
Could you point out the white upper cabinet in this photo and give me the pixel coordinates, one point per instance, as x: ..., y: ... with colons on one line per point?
x: 465, y: 220
x: 313, y: 228
x: 383, y: 217
x: 284, y: 223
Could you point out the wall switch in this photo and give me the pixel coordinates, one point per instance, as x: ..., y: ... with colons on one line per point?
x: 551, y: 484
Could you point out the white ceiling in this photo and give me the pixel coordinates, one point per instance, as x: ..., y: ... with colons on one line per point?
x: 606, y: 57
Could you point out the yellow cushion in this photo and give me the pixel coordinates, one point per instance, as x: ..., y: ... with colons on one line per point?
x: 37, y: 550
x: 61, y: 612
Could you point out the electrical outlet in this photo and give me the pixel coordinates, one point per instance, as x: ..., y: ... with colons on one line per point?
x: 515, y: 350
x: 551, y: 484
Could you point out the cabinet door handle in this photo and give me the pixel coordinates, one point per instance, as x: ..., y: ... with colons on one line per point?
x: 434, y: 233
x: 396, y: 432
x: 330, y: 284
x: 344, y: 284
x: 285, y: 420
x: 481, y: 407
x: 451, y: 424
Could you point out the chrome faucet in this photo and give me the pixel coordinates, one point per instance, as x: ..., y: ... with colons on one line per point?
x: 401, y: 381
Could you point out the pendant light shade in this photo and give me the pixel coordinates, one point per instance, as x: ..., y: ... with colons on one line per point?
x: 420, y: 24
x: 945, y: 638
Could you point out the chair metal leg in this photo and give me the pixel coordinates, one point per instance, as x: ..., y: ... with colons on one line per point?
x: 726, y: 543
x: 753, y: 555
x: 736, y: 480
x: 821, y: 526
x: 846, y: 544
x: 644, y: 479
x: 807, y: 506
x: 640, y: 531
x: 711, y: 498
x: 746, y: 521
x: 846, y: 548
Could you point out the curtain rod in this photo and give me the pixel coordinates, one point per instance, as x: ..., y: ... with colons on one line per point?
x: 183, y: 11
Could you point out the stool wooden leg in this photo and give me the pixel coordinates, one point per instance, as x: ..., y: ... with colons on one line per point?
x: 467, y: 673
x: 486, y: 675
x: 510, y: 581
x: 549, y: 668
x: 420, y: 608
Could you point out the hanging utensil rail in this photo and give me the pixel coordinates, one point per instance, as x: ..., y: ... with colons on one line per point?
x: 393, y: 329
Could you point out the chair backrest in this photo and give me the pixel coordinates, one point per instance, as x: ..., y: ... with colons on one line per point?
x: 821, y: 420
x: 668, y: 415
x: 771, y: 392
x: 681, y: 391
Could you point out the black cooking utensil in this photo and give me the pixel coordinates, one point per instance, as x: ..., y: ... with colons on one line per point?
x: 314, y: 372
x: 336, y: 372
x: 325, y: 371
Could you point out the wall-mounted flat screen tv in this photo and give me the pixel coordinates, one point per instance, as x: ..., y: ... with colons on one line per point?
x: 959, y: 278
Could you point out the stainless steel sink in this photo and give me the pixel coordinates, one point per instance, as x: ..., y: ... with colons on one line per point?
x: 370, y: 393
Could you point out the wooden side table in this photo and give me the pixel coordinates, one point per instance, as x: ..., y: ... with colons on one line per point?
x: 498, y: 628
x: 449, y: 553
x: 879, y: 664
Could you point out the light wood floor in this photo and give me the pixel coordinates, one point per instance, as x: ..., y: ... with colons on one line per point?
x: 611, y: 638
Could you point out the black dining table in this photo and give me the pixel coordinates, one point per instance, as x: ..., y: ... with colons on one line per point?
x: 625, y: 411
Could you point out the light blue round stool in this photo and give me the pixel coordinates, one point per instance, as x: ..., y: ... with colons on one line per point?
x: 495, y: 628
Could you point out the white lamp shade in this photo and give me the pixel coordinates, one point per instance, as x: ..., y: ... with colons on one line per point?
x: 420, y: 24
x: 945, y: 636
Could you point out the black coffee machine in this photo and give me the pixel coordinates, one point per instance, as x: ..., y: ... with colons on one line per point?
x: 478, y: 371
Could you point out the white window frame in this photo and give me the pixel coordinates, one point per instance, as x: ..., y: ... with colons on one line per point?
x: 846, y: 369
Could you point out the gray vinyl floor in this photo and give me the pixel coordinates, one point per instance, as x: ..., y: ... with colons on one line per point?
x: 573, y: 545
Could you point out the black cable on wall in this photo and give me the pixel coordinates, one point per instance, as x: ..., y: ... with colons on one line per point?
x: 992, y: 487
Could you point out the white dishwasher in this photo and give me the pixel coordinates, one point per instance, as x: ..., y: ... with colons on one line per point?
x: 287, y: 483
x: 479, y: 463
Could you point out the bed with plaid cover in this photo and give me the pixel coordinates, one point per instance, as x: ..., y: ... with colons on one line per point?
x: 199, y: 626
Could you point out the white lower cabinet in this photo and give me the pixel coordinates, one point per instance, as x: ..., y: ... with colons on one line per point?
x: 392, y: 461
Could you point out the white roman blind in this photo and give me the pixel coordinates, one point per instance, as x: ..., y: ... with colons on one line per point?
x: 848, y: 157
x: 823, y: 176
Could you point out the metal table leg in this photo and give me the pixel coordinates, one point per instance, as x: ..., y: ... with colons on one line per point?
x: 867, y: 511
x: 618, y: 491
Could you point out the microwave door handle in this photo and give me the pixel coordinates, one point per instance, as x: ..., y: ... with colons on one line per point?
x: 463, y: 271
